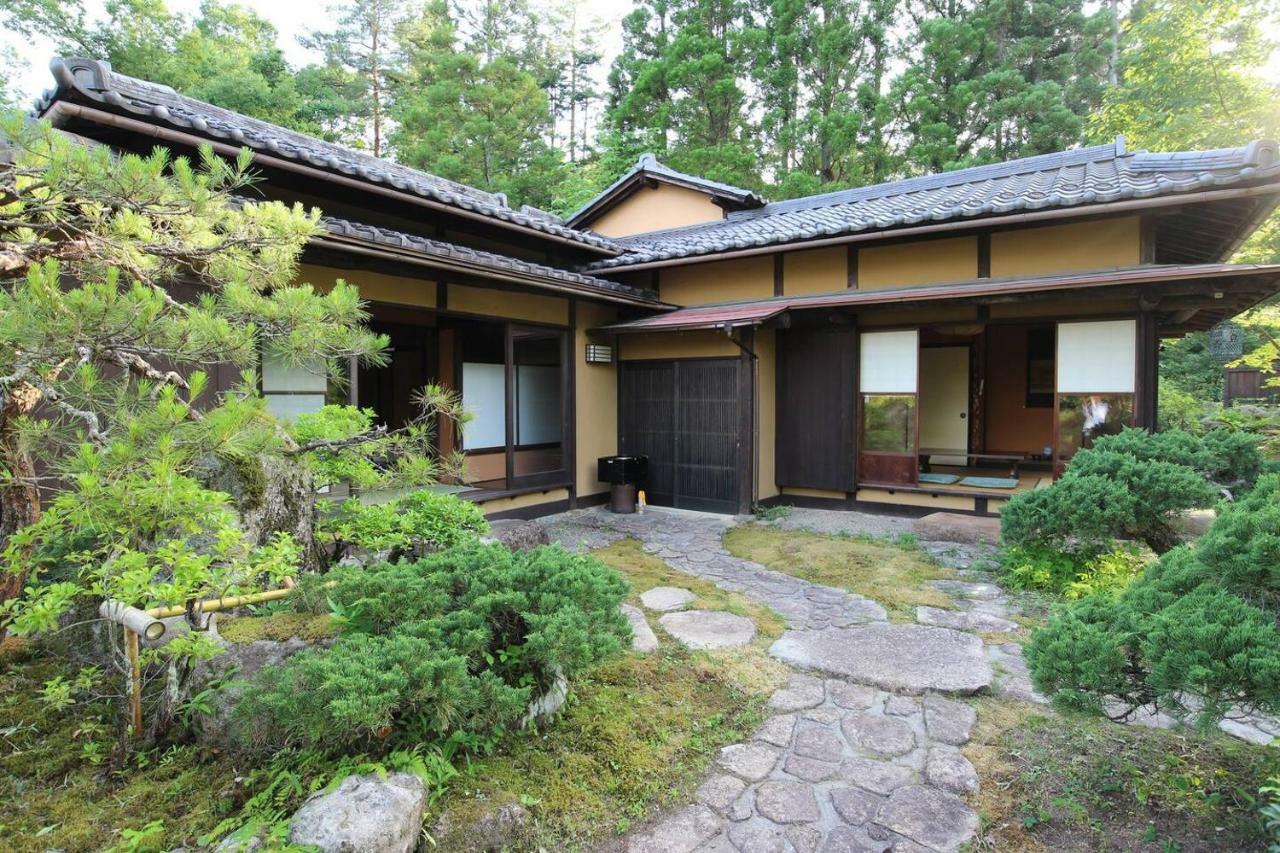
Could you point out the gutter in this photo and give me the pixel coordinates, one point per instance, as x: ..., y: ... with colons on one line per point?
x: 63, y: 108
x: 1080, y: 211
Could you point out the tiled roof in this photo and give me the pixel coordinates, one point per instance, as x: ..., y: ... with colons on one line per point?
x: 1260, y: 280
x: 502, y: 266
x: 1102, y: 173
x: 95, y: 80
x: 649, y: 167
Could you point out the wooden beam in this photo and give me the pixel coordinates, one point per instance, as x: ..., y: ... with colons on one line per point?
x: 779, y: 265
x: 851, y: 253
x: 984, y: 255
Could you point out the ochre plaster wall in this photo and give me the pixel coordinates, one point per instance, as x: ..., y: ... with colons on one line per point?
x: 815, y: 271
x: 701, y: 344
x: 373, y: 286
x: 718, y: 281
x: 766, y: 412
x: 655, y: 209
x: 511, y: 305
x: 918, y: 262
x: 1075, y: 247
x: 596, y: 401
x: 1008, y: 422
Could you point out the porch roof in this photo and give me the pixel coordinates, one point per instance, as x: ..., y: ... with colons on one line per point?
x: 1238, y: 286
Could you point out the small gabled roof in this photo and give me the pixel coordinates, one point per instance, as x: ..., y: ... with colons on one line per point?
x: 95, y: 81
x: 648, y: 169
x: 1065, y: 181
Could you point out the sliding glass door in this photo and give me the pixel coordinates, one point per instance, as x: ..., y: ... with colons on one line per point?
x: 1095, y: 384
x: 888, y: 381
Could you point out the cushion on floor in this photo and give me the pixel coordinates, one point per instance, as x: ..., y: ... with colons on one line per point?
x: 990, y: 482
x: 938, y: 479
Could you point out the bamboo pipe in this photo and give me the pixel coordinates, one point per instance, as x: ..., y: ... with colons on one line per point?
x: 138, y: 621
x: 213, y: 605
x: 135, y: 681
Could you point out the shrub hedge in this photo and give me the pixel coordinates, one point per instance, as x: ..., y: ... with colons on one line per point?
x: 457, y: 641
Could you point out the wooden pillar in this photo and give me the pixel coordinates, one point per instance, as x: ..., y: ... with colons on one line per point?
x: 1146, y: 386
x: 748, y: 437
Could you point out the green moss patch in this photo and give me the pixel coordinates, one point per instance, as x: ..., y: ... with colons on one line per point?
x: 59, y: 790
x: 1067, y: 781
x: 893, y: 575
x: 278, y: 627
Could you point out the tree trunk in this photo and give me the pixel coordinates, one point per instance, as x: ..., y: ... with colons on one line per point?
x: 19, y: 496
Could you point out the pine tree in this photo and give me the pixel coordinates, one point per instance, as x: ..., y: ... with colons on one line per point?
x: 359, y: 55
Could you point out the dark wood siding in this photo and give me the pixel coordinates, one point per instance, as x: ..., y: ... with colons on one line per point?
x: 686, y: 416
x: 816, y: 423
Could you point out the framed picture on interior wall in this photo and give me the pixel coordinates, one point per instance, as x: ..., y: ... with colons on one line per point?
x: 1040, y: 372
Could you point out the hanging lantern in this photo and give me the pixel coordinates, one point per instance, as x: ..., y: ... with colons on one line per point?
x: 1226, y: 342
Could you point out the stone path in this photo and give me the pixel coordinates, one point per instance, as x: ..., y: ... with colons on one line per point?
x: 862, y: 750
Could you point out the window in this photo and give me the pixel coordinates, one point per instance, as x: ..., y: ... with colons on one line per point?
x: 293, y: 389
x: 1083, y: 418
x: 512, y: 386
x: 889, y: 423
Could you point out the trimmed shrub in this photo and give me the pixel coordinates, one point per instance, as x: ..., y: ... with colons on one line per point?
x: 1050, y: 570
x: 414, y: 525
x: 458, y: 641
x: 1200, y: 621
x: 1130, y: 486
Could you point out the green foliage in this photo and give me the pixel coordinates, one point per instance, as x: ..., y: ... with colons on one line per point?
x: 415, y: 524
x: 456, y: 642
x: 1270, y: 812
x: 1179, y: 410
x: 1200, y: 621
x: 1130, y: 486
x: 1050, y: 570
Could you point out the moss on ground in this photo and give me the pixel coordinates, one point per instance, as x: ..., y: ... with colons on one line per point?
x: 59, y: 789
x: 892, y: 574
x: 279, y: 627
x: 1066, y: 781
x: 639, y: 734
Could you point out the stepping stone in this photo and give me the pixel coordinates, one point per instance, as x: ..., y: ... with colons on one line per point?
x: 811, y: 769
x: 749, y: 761
x: 818, y: 741
x: 854, y: 805
x: 757, y: 836
x: 953, y: 527
x: 967, y: 589
x: 643, y: 640
x: 805, y: 839
x: 900, y: 658
x: 682, y: 832
x: 777, y: 730
x: 666, y: 598
x: 709, y: 629
x: 802, y: 692
x: 879, y: 777
x: 886, y: 736
x: 787, y: 802
x: 856, y: 697
x: 901, y: 706
x: 845, y: 839
x: 720, y: 791
x: 964, y: 620
x: 948, y: 721
x: 928, y: 816
x: 946, y: 768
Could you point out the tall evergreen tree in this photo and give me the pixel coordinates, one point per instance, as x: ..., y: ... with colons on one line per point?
x: 679, y: 88
x: 359, y: 55
x: 990, y: 80
x: 480, y: 121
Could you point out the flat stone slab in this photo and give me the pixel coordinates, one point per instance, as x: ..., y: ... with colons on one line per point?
x: 682, y: 832
x: 666, y: 598
x: 928, y: 816
x: 787, y: 802
x: 948, y: 769
x: 880, y: 777
x: 643, y: 640
x: 886, y: 736
x: 964, y: 620
x: 953, y: 527
x: 709, y: 629
x: 749, y: 761
x: 948, y: 721
x: 904, y: 658
x: 801, y: 693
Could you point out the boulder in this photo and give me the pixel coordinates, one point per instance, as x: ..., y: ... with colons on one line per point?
x: 709, y: 629
x: 364, y: 814
x: 953, y: 527
x: 1191, y: 524
x: 518, y: 535
x: 547, y: 705
x: 240, y: 662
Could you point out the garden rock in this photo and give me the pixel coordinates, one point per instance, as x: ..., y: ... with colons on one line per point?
x: 928, y: 816
x: 518, y: 535
x: 643, y: 640
x: 243, y: 661
x: 365, y: 814
x: 1191, y: 524
x: 665, y: 598
x: 906, y: 658
x: 953, y: 527
x: 948, y: 721
x: 549, y: 703
x: 709, y: 629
